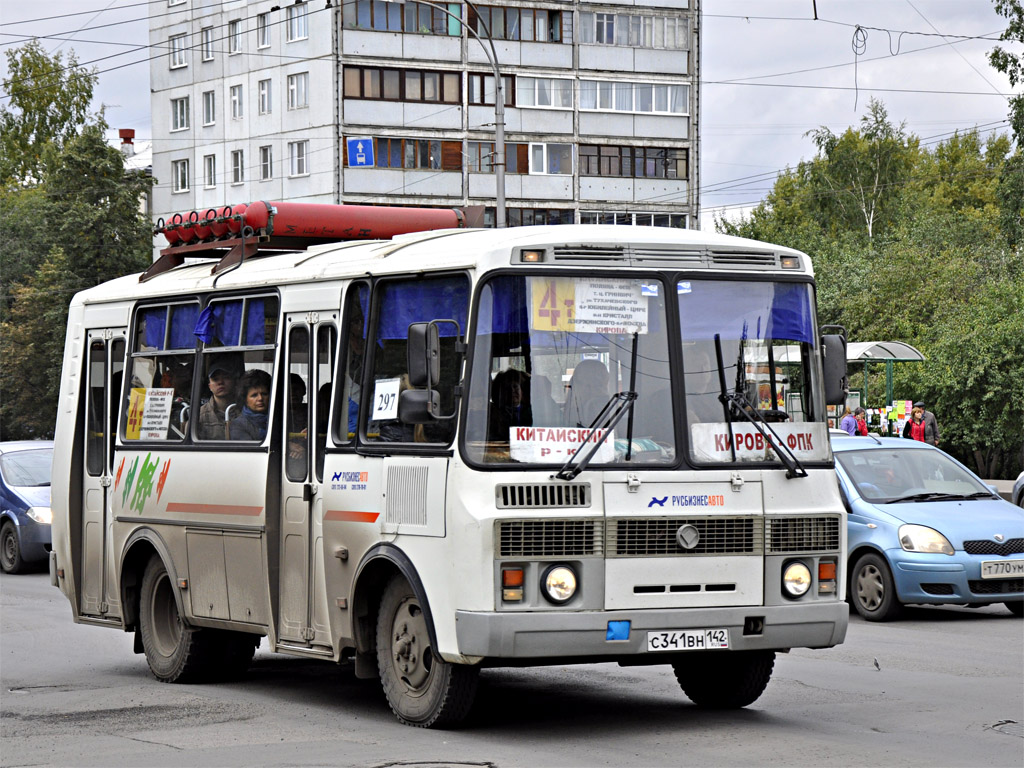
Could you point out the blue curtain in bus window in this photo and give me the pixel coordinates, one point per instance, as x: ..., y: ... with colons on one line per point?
x: 405, y: 303
x: 155, y: 327
x: 183, y: 323
x: 227, y: 323
x: 752, y: 310
x: 204, y: 325
x: 256, y: 323
x: 504, y: 306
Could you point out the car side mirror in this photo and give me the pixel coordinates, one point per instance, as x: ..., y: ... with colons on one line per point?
x: 833, y: 350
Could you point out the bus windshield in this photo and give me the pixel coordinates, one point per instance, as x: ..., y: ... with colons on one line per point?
x: 552, y: 352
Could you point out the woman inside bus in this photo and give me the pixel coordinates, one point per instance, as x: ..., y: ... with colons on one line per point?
x: 588, y: 393
x: 254, y: 388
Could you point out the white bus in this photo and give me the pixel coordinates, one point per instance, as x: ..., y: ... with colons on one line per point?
x: 454, y: 450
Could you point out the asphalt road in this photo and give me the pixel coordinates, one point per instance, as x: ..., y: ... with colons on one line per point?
x: 948, y: 690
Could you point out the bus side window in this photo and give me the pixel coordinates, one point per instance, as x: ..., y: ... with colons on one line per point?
x: 350, y: 373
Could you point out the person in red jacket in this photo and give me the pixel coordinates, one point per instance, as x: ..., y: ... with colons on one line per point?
x: 915, y: 427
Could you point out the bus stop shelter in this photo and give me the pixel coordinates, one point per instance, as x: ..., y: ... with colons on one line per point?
x: 888, y: 352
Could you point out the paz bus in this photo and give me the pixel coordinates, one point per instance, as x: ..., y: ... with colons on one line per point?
x: 385, y: 438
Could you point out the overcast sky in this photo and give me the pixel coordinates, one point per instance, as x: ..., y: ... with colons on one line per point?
x: 770, y: 73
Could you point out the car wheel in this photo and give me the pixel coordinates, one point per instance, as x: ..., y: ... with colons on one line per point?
x: 10, y: 549
x: 422, y: 689
x: 1016, y: 607
x: 724, y: 679
x: 872, y: 590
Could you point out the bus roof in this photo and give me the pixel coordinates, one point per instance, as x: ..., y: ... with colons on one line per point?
x: 574, y: 245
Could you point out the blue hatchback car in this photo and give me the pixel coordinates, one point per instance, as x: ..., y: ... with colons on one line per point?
x: 924, y: 529
x: 24, y: 503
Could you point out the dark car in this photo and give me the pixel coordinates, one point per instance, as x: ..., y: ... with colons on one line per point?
x: 24, y: 503
x: 1018, y: 491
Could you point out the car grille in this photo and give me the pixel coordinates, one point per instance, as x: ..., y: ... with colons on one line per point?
x: 996, y: 586
x: 989, y: 547
x: 937, y: 589
x: 656, y: 537
x: 802, y: 534
x: 549, y: 538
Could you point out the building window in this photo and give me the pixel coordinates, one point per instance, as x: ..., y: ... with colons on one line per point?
x: 650, y: 98
x: 402, y: 85
x: 548, y: 92
x: 555, y: 159
x: 234, y: 37
x: 236, y: 102
x: 237, y: 166
x: 387, y: 16
x: 418, y: 154
x: 209, y: 107
x: 177, y: 45
x: 481, y: 89
x: 207, y: 43
x: 209, y: 171
x: 298, y: 90
x: 631, y: 30
x: 508, y: 23
x: 628, y: 218
x: 298, y: 23
x: 266, y: 163
x: 481, y: 157
x: 524, y: 217
x: 263, y: 30
x: 637, y: 162
x: 179, y: 175
x: 179, y: 114
x: 298, y: 152
x: 171, y: 3
x: 265, y: 107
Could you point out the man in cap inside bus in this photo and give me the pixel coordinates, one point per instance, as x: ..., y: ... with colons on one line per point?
x: 222, y: 380
x: 931, y: 425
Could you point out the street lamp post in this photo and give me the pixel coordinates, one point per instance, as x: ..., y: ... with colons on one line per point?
x: 499, y: 109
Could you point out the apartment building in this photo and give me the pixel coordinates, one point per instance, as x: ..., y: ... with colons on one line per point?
x: 392, y: 102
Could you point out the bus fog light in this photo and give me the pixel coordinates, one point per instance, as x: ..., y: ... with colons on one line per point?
x: 559, y: 584
x: 796, y: 579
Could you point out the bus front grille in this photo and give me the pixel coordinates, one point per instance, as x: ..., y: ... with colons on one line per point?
x: 657, y: 537
x: 549, y: 538
x: 802, y: 534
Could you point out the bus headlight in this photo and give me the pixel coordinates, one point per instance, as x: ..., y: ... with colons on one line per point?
x: 42, y: 515
x: 796, y: 579
x: 559, y: 584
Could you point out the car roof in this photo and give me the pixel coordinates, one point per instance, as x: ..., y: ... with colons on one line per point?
x: 858, y: 443
x: 25, y: 445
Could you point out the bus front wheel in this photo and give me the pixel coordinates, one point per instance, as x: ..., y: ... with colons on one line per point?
x: 724, y: 679
x: 422, y: 689
x: 176, y: 653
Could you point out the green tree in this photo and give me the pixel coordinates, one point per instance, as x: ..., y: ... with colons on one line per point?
x: 1011, y: 184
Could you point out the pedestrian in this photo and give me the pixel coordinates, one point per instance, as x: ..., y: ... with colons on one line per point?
x: 848, y: 422
x: 862, y: 422
x: 931, y: 425
x: 915, y: 426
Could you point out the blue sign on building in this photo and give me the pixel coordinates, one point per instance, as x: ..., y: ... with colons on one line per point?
x: 360, y: 152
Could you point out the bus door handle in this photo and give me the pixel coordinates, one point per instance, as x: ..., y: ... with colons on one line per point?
x: 308, y: 491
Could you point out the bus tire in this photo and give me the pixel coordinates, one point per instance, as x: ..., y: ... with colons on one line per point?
x: 233, y: 652
x: 10, y: 549
x: 175, y: 652
x: 724, y: 679
x: 422, y: 689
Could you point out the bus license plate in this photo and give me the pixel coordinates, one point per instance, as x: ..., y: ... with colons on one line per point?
x: 688, y: 640
x: 1000, y: 569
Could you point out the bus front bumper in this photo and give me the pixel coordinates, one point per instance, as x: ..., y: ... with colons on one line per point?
x: 583, y: 634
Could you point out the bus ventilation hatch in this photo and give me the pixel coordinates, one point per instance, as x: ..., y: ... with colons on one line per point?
x: 537, y: 495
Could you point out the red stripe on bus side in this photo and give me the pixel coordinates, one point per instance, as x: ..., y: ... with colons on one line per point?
x: 347, y: 516
x: 213, y: 509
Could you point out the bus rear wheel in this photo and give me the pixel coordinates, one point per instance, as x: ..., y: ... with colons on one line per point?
x: 724, y: 679
x: 422, y: 689
x: 176, y: 652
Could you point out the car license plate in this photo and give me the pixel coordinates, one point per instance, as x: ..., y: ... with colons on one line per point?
x: 688, y: 640
x: 1000, y: 569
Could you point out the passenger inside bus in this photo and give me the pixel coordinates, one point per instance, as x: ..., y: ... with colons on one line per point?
x: 588, y: 393
x: 222, y: 380
x: 254, y: 389
x: 510, y: 406
x: 178, y: 376
x: 546, y: 412
x: 298, y: 420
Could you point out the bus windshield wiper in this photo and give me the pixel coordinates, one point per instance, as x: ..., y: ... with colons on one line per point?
x: 736, y: 402
x: 618, y: 405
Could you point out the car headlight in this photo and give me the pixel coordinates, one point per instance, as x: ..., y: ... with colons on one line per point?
x: 559, y: 584
x: 920, y: 538
x: 42, y: 515
x: 796, y: 579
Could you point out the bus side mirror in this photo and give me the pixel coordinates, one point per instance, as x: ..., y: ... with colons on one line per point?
x: 419, y: 406
x: 833, y: 349
x: 424, y: 355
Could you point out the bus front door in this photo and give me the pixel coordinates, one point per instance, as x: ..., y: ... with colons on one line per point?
x: 309, y: 352
x: 103, y: 374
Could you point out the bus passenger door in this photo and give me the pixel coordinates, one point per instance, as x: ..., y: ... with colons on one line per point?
x: 104, y: 371
x: 309, y: 352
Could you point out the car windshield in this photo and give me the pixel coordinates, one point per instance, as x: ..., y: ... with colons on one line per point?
x: 908, y: 474
x: 24, y: 469
x: 555, y: 356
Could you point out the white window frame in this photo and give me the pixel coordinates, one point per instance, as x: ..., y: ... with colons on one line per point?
x: 297, y: 25
x: 298, y: 90
x: 266, y: 162
x: 209, y: 171
x: 528, y: 88
x: 298, y: 158
x: 634, y: 30
x: 265, y: 101
x: 601, y: 91
x: 172, y: 3
x: 179, y: 50
x: 234, y: 37
x: 180, y: 114
x: 237, y: 166
x: 237, y: 99
x: 209, y: 107
x: 207, y: 43
x: 263, y: 30
x: 179, y: 176
x: 543, y: 147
